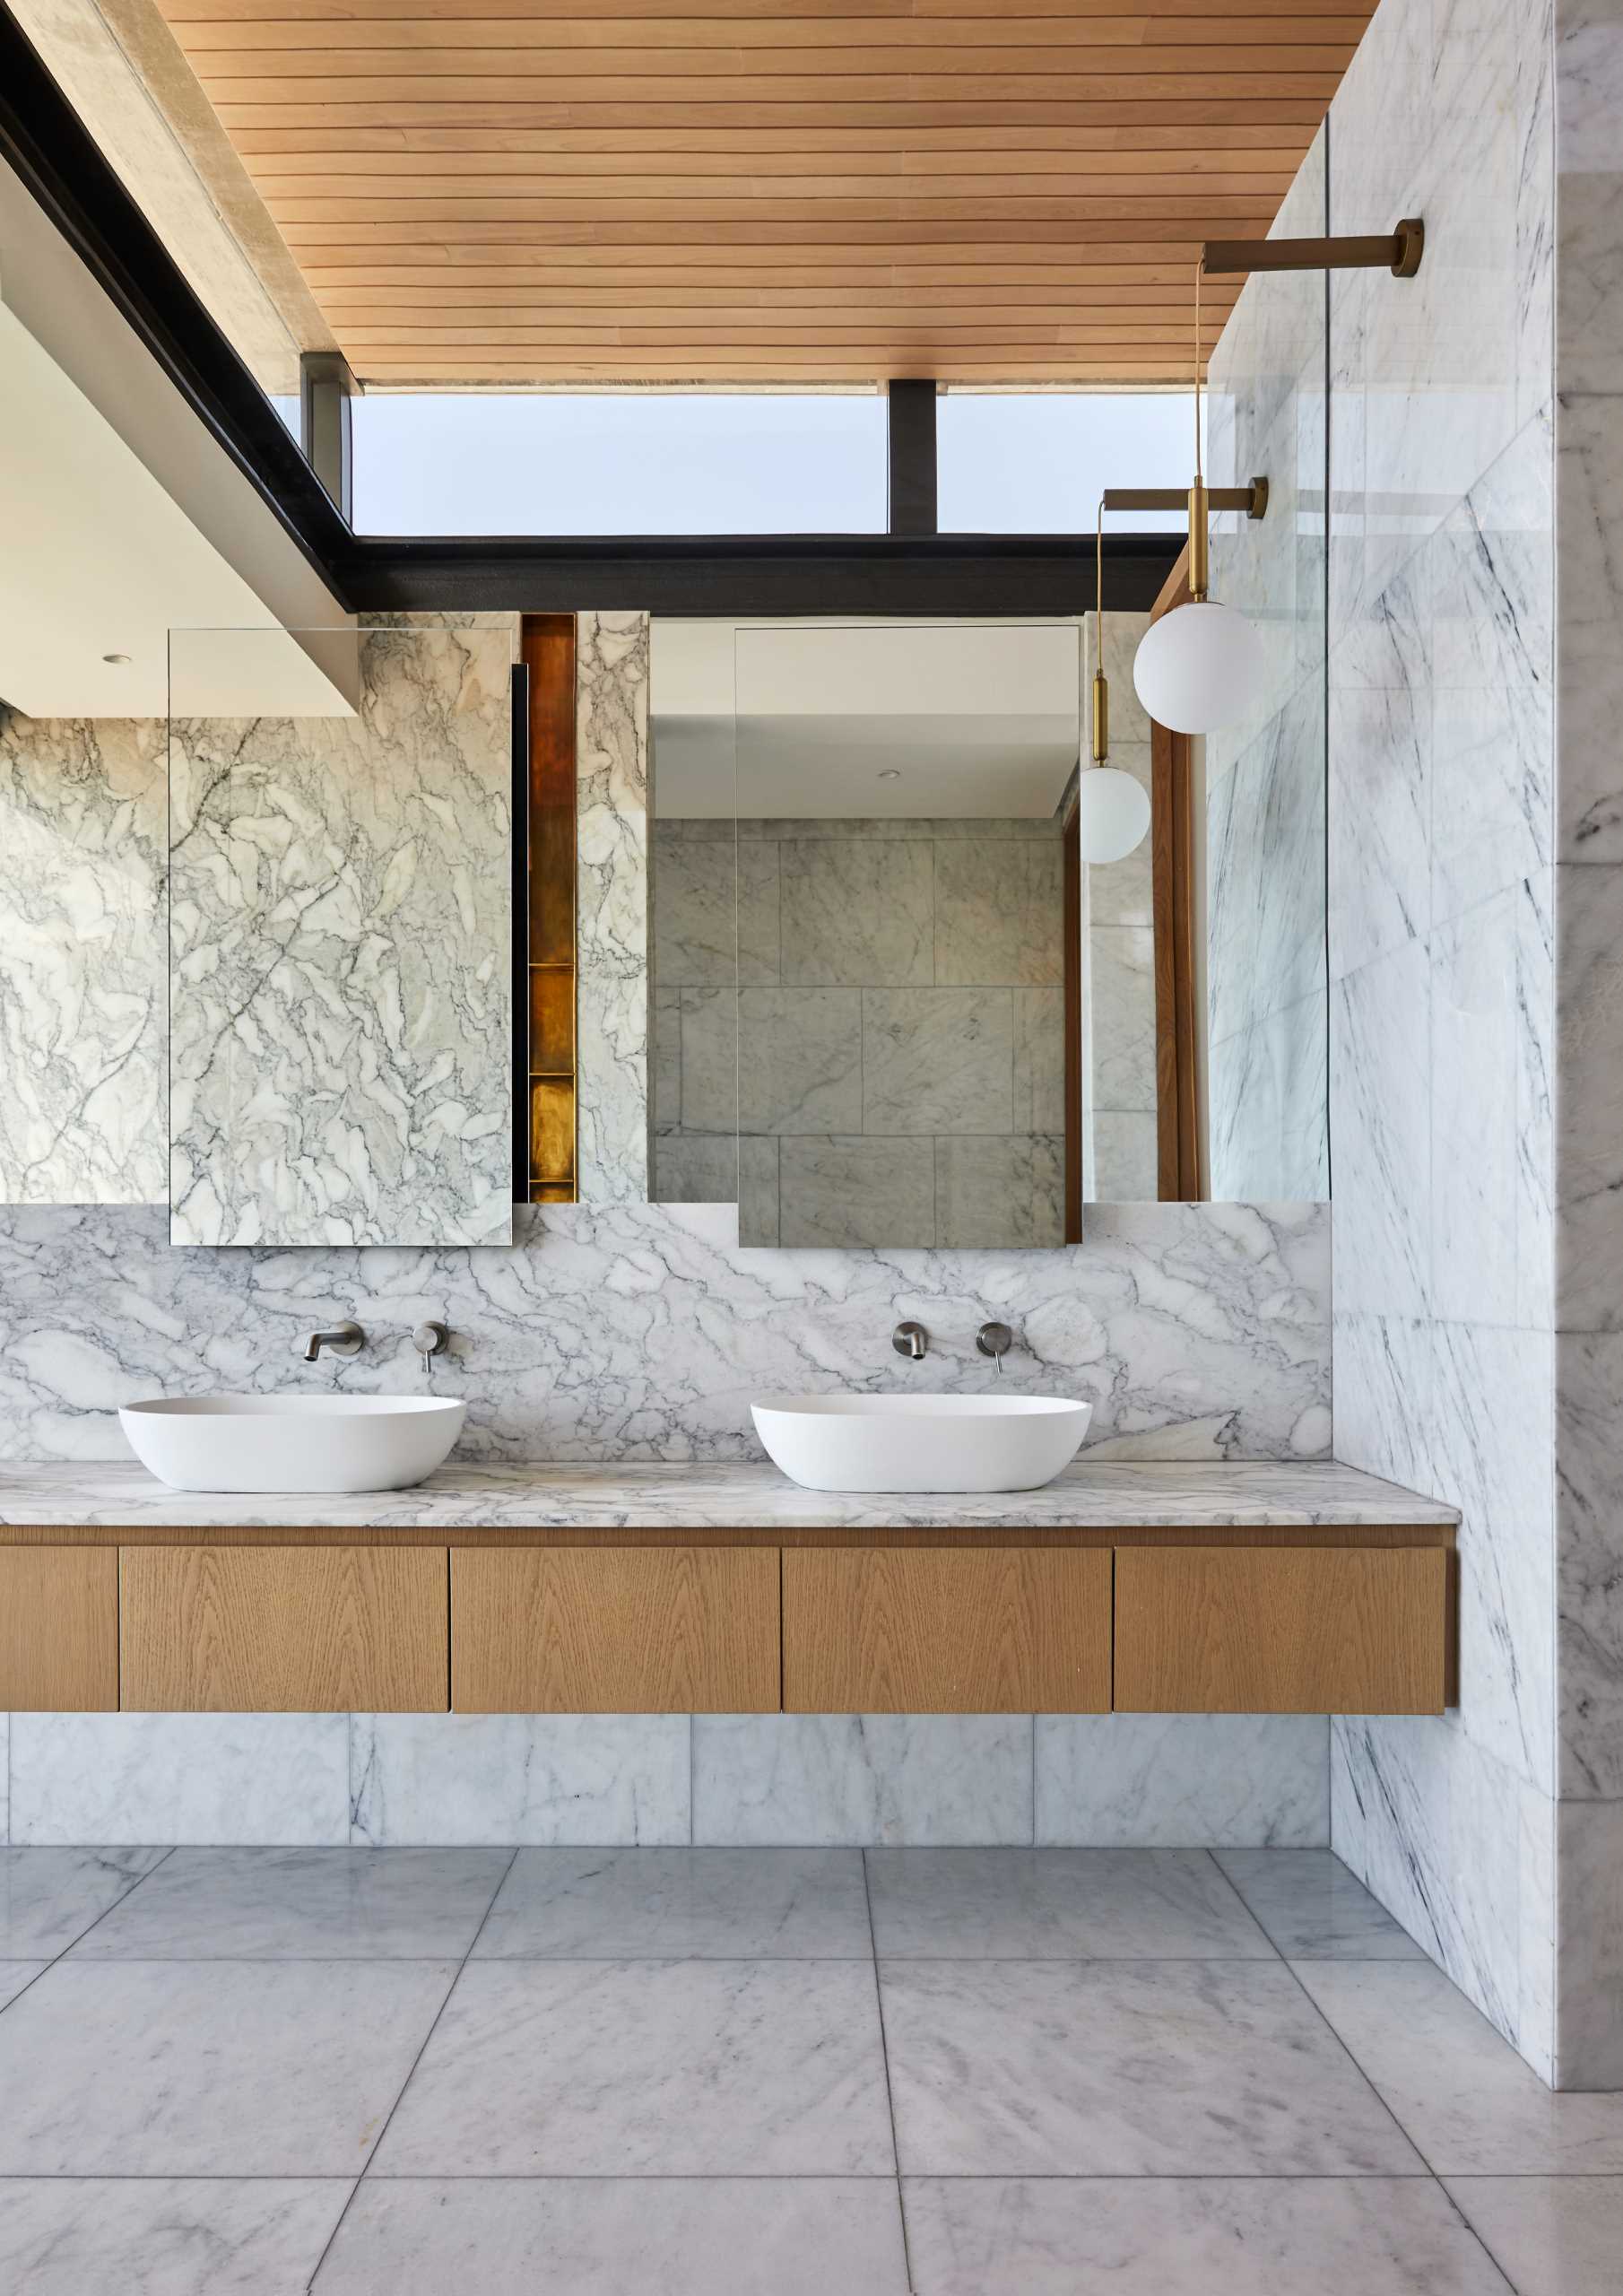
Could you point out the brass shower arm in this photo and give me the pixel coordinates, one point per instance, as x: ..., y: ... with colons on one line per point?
x: 1398, y: 251
x: 1253, y: 498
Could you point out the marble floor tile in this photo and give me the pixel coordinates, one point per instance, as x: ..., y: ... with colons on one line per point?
x: 1552, y: 2236
x: 672, y: 2068
x: 1466, y: 2098
x: 15, y: 1975
x: 707, y: 1904
x: 609, y: 2236
x: 226, y: 2069
x: 165, y: 2236
x: 1313, y: 1909
x: 1191, y: 2236
x: 1117, y: 2068
x: 1065, y: 1904
x: 49, y: 1897
x: 274, y: 1905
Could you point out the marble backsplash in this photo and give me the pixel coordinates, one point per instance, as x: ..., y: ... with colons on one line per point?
x: 642, y: 1331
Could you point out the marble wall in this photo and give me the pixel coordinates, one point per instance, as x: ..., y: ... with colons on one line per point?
x: 1266, y: 1059
x: 1443, y: 962
x: 1587, y: 1212
x: 340, y: 1031
x: 83, y: 985
x: 641, y: 1332
x: 585, y: 1780
x: 1120, y: 1131
x: 891, y: 1068
x: 613, y: 1023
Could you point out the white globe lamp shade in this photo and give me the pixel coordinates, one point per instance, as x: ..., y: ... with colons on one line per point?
x: 1112, y: 813
x: 1198, y: 667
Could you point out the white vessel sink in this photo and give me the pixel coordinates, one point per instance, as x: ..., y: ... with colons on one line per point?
x: 922, y: 1442
x: 291, y: 1442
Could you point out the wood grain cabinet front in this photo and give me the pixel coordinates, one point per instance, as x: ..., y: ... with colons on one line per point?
x: 614, y: 1631
x: 58, y: 1629
x: 1281, y: 1630
x: 947, y: 1631
x: 285, y: 1629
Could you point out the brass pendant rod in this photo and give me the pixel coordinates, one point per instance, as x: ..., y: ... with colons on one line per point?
x: 1398, y: 251
x: 1253, y: 498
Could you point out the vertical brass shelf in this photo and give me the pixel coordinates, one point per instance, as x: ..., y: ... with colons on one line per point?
x: 548, y: 645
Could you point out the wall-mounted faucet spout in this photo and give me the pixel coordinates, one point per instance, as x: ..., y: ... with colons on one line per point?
x: 344, y: 1339
x: 911, y: 1340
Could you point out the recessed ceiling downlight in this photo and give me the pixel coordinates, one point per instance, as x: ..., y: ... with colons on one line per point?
x: 892, y: 773
x: 119, y: 661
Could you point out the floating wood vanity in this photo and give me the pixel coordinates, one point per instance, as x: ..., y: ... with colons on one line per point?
x: 1165, y: 1589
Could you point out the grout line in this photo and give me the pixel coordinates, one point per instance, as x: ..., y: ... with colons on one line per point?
x: 884, y: 2050
x: 826, y: 2176
x: 85, y: 1932
x: 410, y: 2075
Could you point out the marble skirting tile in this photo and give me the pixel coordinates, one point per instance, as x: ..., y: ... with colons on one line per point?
x: 506, y: 1778
x: 811, y: 1778
x: 180, y: 1778
x: 1179, y: 1781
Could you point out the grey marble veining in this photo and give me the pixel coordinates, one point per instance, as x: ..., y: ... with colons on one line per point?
x: 82, y: 987
x: 679, y: 1905
x: 339, y: 1025
x: 612, y: 920
x: 642, y: 1333
x: 165, y: 2236
x: 1147, y: 1495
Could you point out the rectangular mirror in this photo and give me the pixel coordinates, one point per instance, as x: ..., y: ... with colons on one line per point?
x: 894, y: 1006
x: 340, y: 810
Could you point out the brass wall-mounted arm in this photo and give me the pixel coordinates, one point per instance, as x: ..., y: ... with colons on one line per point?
x: 1398, y: 251
x: 1253, y: 498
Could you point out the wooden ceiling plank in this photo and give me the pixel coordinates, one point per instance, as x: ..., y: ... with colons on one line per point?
x: 853, y: 39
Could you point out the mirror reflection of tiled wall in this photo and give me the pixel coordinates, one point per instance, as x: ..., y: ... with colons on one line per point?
x: 894, y: 1060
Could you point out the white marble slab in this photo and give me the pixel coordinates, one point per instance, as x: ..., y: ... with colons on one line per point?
x: 612, y: 924
x: 180, y: 1778
x: 642, y: 1331
x: 1166, y: 1495
x: 1178, y: 1781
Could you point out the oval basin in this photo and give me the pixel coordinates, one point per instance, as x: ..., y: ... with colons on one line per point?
x: 922, y: 1442
x: 291, y: 1442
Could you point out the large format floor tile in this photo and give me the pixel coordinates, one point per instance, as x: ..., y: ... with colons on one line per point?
x: 1460, y: 2090
x: 164, y: 2235
x: 227, y: 2068
x: 1118, y: 2068
x: 739, y: 1904
x: 1555, y: 2236
x: 1192, y: 2237
x: 601, y: 2236
x: 15, y: 1975
x: 677, y: 2069
x: 206, y: 1905
x: 49, y: 1897
x: 1073, y: 1904
x: 1313, y: 1909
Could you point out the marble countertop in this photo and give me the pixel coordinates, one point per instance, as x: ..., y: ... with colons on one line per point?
x: 1172, y: 1495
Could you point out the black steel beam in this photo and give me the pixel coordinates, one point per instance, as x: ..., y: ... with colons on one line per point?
x: 757, y: 574
x: 910, y: 427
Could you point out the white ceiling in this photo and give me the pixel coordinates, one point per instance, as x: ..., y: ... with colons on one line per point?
x: 964, y: 720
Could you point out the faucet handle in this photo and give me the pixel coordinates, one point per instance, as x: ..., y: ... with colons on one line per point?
x: 994, y: 1340
x: 912, y: 1340
x: 430, y: 1339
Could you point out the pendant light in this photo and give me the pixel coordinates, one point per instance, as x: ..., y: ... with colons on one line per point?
x: 1199, y: 666
x: 1112, y: 808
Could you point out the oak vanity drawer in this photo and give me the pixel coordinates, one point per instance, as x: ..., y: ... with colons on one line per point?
x: 283, y: 1630
x: 614, y: 1631
x: 1281, y: 1630
x: 946, y: 1630
x: 58, y: 1629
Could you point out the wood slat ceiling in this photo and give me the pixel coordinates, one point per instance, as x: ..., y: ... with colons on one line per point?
x: 771, y: 191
